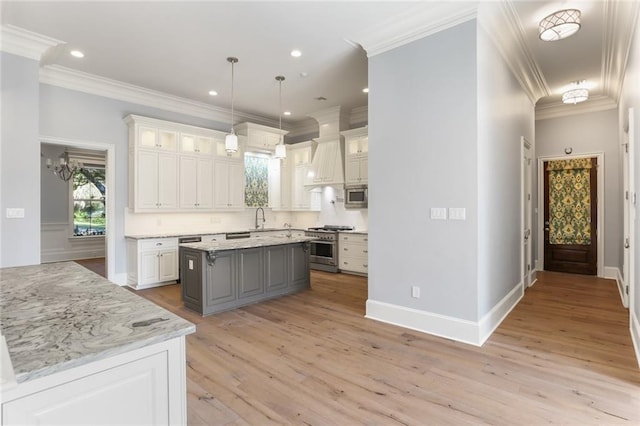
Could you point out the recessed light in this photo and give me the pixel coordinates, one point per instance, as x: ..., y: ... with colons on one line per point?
x: 304, y: 74
x: 213, y: 93
x: 365, y: 90
x: 287, y: 113
x: 296, y: 53
x: 77, y: 54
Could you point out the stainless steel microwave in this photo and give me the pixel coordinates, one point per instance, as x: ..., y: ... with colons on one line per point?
x: 356, y: 197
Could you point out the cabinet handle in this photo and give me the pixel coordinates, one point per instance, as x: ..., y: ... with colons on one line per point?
x: 365, y: 251
x: 345, y: 263
x: 345, y: 249
x: 158, y: 244
x: 365, y: 265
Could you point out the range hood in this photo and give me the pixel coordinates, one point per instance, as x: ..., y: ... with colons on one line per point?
x: 327, y: 167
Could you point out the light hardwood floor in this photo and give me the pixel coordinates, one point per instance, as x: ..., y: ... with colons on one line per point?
x: 564, y: 355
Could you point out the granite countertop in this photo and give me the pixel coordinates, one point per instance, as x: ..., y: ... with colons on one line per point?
x: 193, y: 234
x: 245, y: 243
x: 355, y: 231
x: 61, y: 315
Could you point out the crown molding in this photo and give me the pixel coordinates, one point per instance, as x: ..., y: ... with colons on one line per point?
x: 505, y: 29
x: 558, y: 109
x: 28, y: 44
x: 419, y: 21
x: 68, y: 78
x: 619, y: 23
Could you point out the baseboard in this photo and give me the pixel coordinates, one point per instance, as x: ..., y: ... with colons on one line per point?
x: 499, y: 312
x: 635, y: 335
x: 611, y: 273
x: 465, y: 331
x: 533, y: 277
x: 51, y: 256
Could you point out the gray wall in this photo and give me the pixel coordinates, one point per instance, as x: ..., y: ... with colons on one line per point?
x: 588, y: 133
x: 54, y: 193
x: 19, y: 161
x: 423, y: 136
x: 505, y: 113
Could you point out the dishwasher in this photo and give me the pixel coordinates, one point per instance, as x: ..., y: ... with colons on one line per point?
x: 184, y: 240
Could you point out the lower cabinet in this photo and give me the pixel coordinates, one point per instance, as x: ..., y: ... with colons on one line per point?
x: 232, y: 278
x: 152, y: 262
x: 142, y: 387
x: 353, y: 253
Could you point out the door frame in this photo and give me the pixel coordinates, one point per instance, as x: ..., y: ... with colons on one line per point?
x: 527, y: 241
x: 630, y: 281
x: 110, y: 156
x: 600, y: 205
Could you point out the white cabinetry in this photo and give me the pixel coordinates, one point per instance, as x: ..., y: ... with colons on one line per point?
x: 356, y: 156
x: 327, y: 166
x: 258, y: 137
x: 144, y: 386
x: 299, y: 158
x: 151, y: 262
x: 353, y: 252
x: 229, y: 184
x: 196, y: 182
x: 280, y: 184
x: 194, y: 144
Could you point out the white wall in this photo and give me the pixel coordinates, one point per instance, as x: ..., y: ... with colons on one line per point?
x: 19, y: 161
x: 588, y: 133
x: 631, y: 99
x: 423, y: 135
x: 505, y: 114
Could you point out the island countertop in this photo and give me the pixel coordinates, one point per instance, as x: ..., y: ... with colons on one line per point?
x: 245, y: 243
x: 61, y: 315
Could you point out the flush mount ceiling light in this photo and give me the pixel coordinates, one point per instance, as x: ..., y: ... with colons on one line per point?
x: 559, y: 25
x: 231, y: 140
x: 365, y: 90
x: 281, y: 150
x: 287, y: 113
x: 76, y: 54
x: 213, y: 93
x: 296, y: 53
x: 576, y: 94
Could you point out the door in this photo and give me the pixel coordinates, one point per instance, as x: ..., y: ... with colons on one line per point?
x: 570, y: 216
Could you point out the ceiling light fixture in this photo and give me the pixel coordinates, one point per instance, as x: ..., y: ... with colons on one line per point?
x: 296, y: 53
x: 231, y: 140
x: 559, y: 25
x: 578, y: 94
x: 365, y: 90
x: 213, y: 93
x: 281, y: 149
x: 76, y: 54
x: 287, y: 113
x: 65, y: 169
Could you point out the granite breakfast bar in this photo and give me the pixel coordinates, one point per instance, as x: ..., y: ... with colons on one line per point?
x: 222, y: 275
x: 85, y: 350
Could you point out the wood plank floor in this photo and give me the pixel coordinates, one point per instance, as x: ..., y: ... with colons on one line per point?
x: 564, y: 355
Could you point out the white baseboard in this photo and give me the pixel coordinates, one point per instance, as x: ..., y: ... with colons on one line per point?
x: 614, y: 273
x: 50, y: 256
x: 465, y: 331
x: 533, y: 277
x: 498, y: 313
x: 611, y: 273
x: 635, y: 334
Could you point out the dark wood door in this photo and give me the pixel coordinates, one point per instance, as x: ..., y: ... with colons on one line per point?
x: 570, y: 216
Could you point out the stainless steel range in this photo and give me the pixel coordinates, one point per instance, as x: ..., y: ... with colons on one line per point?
x: 323, y: 254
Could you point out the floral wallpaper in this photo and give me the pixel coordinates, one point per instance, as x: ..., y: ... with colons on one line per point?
x: 570, y: 201
x: 256, y: 190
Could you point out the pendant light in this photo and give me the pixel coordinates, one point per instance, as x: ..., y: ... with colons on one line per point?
x: 231, y: 140
x: 281, y: 149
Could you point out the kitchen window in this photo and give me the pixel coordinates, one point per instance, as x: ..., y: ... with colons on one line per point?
x: 256, y: 173
x: 88, y: 191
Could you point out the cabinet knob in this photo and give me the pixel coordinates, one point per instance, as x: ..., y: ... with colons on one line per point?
x: 365, y: 251
x: 158, y: 244
x: 345, y: 249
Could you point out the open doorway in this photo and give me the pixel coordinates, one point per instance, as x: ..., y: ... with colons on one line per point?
x: 77, y: 204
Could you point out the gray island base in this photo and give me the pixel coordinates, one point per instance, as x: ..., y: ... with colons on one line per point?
x: 224, y: 275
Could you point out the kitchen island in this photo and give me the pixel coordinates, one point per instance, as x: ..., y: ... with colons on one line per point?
x: 223, y: 275
x: 86, y: 351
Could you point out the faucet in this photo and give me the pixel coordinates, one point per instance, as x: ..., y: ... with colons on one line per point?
x: 263, y: 219
x: 288, y: 226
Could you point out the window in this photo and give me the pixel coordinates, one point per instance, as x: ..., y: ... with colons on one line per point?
x: 89, y: 190
x: 256, y: 173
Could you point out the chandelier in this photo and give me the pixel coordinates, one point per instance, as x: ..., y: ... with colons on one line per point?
x: 65, y: 168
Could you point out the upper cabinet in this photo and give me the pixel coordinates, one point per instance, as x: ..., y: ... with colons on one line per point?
x: 260, y: 138
x: 356, y: 159
x: 199, y: 145
x: 156, y: 138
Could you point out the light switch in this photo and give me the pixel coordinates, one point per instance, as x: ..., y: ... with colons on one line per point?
x: 15, y: 213
x: 438, y: 213
x: 457, y: 213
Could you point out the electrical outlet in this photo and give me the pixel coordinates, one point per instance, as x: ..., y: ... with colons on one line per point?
x: 438, y: 213
x: 415, y: 291
x: 15, y: 213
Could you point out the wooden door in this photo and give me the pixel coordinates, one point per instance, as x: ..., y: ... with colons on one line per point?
x: 570, y: 216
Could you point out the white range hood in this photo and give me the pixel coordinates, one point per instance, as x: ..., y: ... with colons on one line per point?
x: 327, y: 166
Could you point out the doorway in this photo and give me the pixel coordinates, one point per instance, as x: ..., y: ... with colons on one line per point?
x: 570, y: 215
x: 109, y: 201
x: 568, y: 244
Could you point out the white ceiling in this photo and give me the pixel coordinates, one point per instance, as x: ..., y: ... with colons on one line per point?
x: 180, y: 48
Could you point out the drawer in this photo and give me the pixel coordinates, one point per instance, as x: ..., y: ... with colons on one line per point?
x: 354, y: 238
x: 356, y: 250
x: 158, y: 243
x: 354, y: 264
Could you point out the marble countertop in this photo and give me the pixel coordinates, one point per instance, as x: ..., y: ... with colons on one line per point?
x: 245, y: 243
x: 61, y: 315
x: 355, y: 231
x: 192, y: 234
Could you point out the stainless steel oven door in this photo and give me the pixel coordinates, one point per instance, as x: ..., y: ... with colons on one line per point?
x: 323, y: 252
